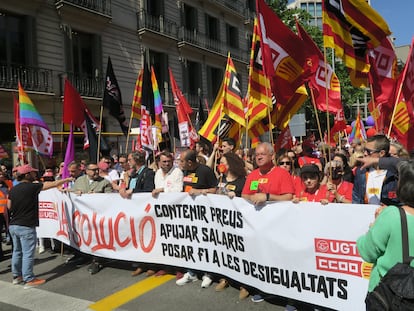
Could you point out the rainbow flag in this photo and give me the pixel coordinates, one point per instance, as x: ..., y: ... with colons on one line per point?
x: 358, y: 130
x: 32, y: 123
x: 157, y: 97
x: 28, y: 112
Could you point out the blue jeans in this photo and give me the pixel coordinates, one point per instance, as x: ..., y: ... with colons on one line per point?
x: 24, y: 247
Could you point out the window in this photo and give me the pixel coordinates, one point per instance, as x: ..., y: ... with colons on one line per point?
x: 160, y: 63
x: 192, y: 81
x: 14, y: 45
x: 212, y: 28
x: 155, y: 7
x: 232, y: 34
x: 83, y: 54
x: 214, y: 79
x: 190, y: 18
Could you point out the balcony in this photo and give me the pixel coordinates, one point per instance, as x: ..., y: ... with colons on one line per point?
x: 231, y: 6
x: 196, y: 39
x: 99, y: 9
x: 86, y: 86
x: 32, y: 78
x: 156, y: 24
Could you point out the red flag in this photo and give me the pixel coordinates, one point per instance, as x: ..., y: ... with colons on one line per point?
x: 339, y: 122
x: 382, y: 77
x: 324, y: 78
x: 285, y: 58
x: 20, y: 140
x: 188, y: 135
x: 74, y: 111
x: 402, y: 126
x: 284, y: 140
x: 74, y: 107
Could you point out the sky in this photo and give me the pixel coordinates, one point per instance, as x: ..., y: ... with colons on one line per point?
x: 399, y: 14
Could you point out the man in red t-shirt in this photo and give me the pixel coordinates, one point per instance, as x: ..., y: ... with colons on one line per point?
x: 268, y: 182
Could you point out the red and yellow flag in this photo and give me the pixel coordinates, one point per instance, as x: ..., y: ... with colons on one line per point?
x: 259, y: 101
x: 232, y: 99
x: 136, y: 100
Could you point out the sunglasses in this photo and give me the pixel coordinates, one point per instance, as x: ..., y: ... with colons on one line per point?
x: 371, y: 151
x: 285, y: 163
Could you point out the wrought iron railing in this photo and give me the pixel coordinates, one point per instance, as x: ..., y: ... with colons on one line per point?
x: 158, y: 24
x: 31, y: 78
x: 201, y: 40
x: 234, y: 5
x: 86, y: 86
x: 99, y: 6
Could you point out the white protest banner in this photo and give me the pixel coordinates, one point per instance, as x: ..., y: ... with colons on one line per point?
x: 304, y: 251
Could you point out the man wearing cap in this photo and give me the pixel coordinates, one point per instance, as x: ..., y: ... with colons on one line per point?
x: 23, y: 205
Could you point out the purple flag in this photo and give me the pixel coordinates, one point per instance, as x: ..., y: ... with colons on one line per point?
x: 70, y: 153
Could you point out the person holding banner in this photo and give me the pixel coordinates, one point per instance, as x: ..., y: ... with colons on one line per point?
x: 199, y: 179
x: 23, y: 204
x: 231, y: 184
x: 311, y: 189
x: 91, y: 183
x: 267, y: 183
x: 382, y: 244
x: 141, y: 178
x: 167, y: 178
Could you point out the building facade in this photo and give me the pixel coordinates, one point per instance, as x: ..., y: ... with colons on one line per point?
x: 44, y: 41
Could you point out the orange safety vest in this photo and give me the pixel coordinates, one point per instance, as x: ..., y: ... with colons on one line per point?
x: 3, y: 202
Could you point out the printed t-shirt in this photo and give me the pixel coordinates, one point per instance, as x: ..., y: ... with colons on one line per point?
x: 201, y: 178
x: 277, y: 181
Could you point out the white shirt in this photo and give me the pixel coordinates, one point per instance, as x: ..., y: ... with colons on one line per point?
x: 375, y: 179
x: 171, y: 182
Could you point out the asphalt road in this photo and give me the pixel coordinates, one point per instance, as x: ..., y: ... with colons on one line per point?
x: 113, y: 288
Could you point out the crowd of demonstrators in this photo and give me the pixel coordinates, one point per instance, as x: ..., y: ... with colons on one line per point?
x: 365, y: 172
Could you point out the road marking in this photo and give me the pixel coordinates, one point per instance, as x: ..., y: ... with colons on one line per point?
x: 127, y: 294
x: 37, y: 299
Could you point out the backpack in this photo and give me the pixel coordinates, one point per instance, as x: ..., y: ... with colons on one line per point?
x: 396, y: 289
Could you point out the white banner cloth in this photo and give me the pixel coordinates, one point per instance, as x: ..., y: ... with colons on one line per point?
x: 304, y: 251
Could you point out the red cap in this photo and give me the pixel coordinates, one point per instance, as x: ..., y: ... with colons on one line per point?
x: 24, y: 169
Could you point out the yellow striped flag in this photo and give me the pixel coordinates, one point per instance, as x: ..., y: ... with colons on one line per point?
x: 259, y: 102
x: 208, y: 130
x: 232, y: 99
x: 136, y: 100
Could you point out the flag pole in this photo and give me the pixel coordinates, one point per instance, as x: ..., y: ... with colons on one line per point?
x: 99, y: 135
x: 397, y: 98
x: 129, y: 132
